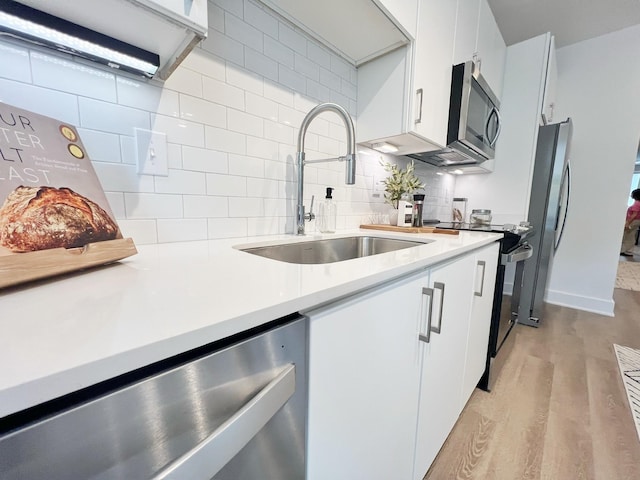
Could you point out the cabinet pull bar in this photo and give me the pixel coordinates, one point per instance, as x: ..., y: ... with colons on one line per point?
x: 439, y: 286
x: 481, y: 263
x: 425, y: 337
x: 419, y: 119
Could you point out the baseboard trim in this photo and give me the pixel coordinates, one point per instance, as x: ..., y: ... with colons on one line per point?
x: 579, y: 302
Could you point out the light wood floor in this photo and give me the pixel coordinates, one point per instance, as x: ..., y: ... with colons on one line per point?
x: 558, y: 410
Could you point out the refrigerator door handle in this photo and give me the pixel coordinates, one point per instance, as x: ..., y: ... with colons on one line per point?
x: 566, y: 178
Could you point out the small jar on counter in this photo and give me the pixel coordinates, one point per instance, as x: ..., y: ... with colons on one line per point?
x: 480, y: 217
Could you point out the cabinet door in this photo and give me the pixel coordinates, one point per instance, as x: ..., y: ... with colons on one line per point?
x: 363, y: 385
x: 404, y: 12
x: 184, y: 10
x: 443, y: 359
x: 486, y: 264
x: 491, y: 49
x: 549, y: 97
x: 432, y: 69
x: 466, y: 39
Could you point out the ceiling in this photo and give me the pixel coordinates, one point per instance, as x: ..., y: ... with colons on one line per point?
x: 570, y: 21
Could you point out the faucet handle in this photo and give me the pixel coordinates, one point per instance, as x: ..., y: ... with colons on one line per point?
x: 311, y: 214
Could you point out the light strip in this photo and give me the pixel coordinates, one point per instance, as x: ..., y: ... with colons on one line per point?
x: 53, y: 37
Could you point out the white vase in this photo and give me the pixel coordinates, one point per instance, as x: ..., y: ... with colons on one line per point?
x: 393, y: 216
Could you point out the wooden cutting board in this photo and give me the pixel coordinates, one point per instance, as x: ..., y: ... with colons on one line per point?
x: 392, y: 228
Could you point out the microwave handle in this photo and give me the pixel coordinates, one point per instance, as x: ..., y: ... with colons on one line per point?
x: 492, y: 142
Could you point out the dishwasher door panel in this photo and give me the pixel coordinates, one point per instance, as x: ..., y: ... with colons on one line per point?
x: 145, y: 429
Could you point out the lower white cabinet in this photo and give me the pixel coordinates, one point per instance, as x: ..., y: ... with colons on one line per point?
x: 363, y: 385
x: 486, y: 265
x: 443, y: 359
x: 391, y: 369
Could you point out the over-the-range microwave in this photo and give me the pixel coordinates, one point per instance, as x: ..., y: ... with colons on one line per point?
x: 474, y: 121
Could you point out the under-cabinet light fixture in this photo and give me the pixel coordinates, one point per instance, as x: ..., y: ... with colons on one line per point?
x: 458, y: 171
x: 385, y: 147
x: 40, y: 28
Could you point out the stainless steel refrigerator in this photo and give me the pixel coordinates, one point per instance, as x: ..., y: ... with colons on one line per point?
x: 548, y: 206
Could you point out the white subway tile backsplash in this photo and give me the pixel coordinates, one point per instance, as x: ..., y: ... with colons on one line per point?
x: 15, y: 63
x: 278, y: 52
x: 246, y: 207
x: 245, y: 166
x: 109, y: 117
x: 257, y: 16
x: 317, y: 91
x: 215, y: 18
x: 181, y: 230
x: 174, y: 154
x: 145, y: 96
x: 58, y: 73
x: 247, y: 81
x: 278, y: 93
x: 241, y: 122
x: 225, y: 141
x: 116, y: 203
x: 205, y: 64
x: 226, y: 185
x: 143, y: 232
x: 227, y: 227
x: 224, y: 47
x: 101, y: 146
x: 341, y: 67
x: 349, y: 90
x: 261, y: 64
x: 262, y: 107
x: 330, y: 79
x: 186, y: 81
x: 222, y: 93
x: 202, y: 206
x: 278, y: 170
x: 262, y: 148
x: 204, y: 160
x: 58, y: 105
x: 116, y: 177
x: 278, y: 132
x: 179, y: 130
x: 147, y: 205
x: 266, y: 226
x: 233, y: 6
x: 306, y: 67
x: 279, y: 207
x: 263, y: 188
x: 291, y: 79
x: 202, y: 111
x: 181, y: 181
x: 244, y: 33
x: 292, y: 39
x: 319, y: 55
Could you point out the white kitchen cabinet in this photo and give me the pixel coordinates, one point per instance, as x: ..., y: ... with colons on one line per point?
x: 403, y: 97
x: 404, y: 11
x: 358, y: 30
x: 486, y: 265
x: 478, y: 38
x: 443, y: 359
x: 551, y: 79
x: 363, y: 384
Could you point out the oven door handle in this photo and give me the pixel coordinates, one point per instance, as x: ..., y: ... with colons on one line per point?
x: 521, y: 253
x: 215, y: 451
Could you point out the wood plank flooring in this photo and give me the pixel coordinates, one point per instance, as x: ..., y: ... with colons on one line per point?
x: 558, y: 410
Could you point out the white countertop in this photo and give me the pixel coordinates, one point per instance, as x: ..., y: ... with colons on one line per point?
x: 64, y: 334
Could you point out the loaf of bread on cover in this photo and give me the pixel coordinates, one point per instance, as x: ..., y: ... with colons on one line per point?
x: 38, y: 218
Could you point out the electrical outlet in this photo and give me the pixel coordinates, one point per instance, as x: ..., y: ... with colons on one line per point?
x: 151, y: 149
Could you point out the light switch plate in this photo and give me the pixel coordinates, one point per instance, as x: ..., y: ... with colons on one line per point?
x: 152, y: 154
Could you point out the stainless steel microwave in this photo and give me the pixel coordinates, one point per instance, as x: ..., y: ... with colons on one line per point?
x: 474, y: 121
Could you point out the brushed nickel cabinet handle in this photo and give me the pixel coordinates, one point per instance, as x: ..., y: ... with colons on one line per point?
x: 419, y: 119
x: 483, y: 264
x: 439, y: 286
x: 425, y: 337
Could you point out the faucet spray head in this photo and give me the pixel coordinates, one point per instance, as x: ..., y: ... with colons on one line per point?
x: 350, y: 174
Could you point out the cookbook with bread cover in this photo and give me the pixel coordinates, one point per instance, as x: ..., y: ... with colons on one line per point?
x: 54, y: 215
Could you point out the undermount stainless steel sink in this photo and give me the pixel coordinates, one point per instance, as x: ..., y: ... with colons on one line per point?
x: 332, y: 249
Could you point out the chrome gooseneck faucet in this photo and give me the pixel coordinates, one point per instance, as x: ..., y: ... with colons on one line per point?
x: 350, y: 157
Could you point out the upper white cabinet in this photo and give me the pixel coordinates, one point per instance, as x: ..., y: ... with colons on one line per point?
x: 168, y: 28
x: 404, y: 11
x: 358, y: 30
x: 478, y: 38
x: 403, y: 97
x: 551, y: 79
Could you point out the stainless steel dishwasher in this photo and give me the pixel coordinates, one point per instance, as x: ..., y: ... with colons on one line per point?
x: 237, y: 412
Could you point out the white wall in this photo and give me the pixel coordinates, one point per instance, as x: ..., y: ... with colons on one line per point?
x: 599, y: 88
x: 231, y: 113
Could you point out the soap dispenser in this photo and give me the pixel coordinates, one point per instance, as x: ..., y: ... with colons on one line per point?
x: 327, y: 214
